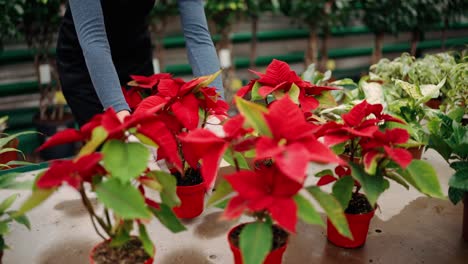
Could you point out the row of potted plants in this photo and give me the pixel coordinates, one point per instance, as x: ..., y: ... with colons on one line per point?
x: 277, y: 134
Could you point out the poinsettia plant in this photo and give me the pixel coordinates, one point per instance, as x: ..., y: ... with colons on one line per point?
x: 375, y: 155
x: 181, y: 107
x: 114, y: 168
x: 279, y: 80
x: 283, y: 145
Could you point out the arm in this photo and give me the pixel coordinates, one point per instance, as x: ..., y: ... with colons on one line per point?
x: 201, y: 51
x: 90, y: 28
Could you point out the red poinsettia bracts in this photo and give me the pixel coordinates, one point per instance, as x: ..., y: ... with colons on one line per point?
x: 280, y: 77
x: 204, y: 145
x: 72, y: 172
x: 384, y: 145
x: 340, y: 171
x: 148, y: 82
x: 264, y: 189
x: 361, y: 121
x: 292, y: 141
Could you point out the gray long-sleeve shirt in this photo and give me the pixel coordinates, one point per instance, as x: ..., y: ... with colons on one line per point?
x: 90, y: 27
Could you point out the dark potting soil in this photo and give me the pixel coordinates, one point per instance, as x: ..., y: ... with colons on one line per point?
x: 192, y: 177
x: 358, y: 204
x: 280, y: 237
x: 130, y: 253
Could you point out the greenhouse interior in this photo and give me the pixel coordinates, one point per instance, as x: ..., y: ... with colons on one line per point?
x: 233, y: 131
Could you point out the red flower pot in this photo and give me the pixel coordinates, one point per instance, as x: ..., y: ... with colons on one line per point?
x: 91, y: 254
x: 10, y: 155
x: 416, y: 152
x: 192, y: 201
x: 359, y: 226
x: 274, y: 257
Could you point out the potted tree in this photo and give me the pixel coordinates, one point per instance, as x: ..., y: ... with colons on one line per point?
x: 11, y: 15
x: 223, y: 13
x: 160, y: 14
x: 39, y: 23
x: 449, y: 137
x: 98, y: 170
x: 268, y: 189
x: 182, y: 107
x: 381, y: 17
x: 255, y: 8
x: 374, y: 156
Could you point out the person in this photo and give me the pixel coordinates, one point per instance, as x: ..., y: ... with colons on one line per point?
x: 102, y: 42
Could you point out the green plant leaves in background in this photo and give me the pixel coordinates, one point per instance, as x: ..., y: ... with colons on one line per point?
x: 424, y: 178
x: 36, y: 198
x: 333, y: 210
x: 124, y: 199
x: 307, y: 212
x: 256, y: 240
x: 125, y: 161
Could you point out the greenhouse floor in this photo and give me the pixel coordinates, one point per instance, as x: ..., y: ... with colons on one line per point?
x: 408, y: 228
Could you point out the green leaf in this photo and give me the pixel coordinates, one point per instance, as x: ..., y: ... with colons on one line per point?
x: 145, y: 140
x: 125, y: 161
x: 21, y: 219
x: 323, y: 173
x: 411, y: 89
x: 167, y: 217
x: 6, y: 140
x: 255, y: 241
x: 254, y: 115
x: 223, y: 204
x: 333, y: 210
x: 3, y: 228
x: 145, y: 240
x: 152, y: 184
x: 455, y: 195
x: 120, y: 238
x: 169, y: 184
x: 36, y: 198
x: 7, y: 203
x: 343, y: 190
x: 459, y: 180
x: 424, y: 178
x: 373, y: 185
x: 294, y: 92
x: 223, y: 189
x: 9, y: 150
x: 124, y: 199
x: 254, y: 94
x: 98, y: 136
x: 241, y: 161
x: 307, y: 212
x: 396, y: 178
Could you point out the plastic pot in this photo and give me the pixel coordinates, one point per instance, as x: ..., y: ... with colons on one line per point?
x: 359, y: 226
x: 10, y: 155
x: 192, y: 201
x: 91, y: 254
x: 416, y: 152
x: 274, y: 257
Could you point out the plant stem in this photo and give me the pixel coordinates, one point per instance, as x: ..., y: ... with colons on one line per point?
x: 236, y: 162
x: 106, y: 213
x: 205, y: 116
x: 90, y: 209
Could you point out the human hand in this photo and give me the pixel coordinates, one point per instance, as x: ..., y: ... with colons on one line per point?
x: 122, y: 114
